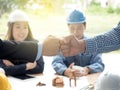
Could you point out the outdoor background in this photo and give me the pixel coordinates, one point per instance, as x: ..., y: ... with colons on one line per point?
x: 48, y: 17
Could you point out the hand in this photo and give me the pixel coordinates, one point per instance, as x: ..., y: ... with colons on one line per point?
x: 86, y: 71
x: 8, y: 63
x: 30, y: 65
x: 78, y: 70
x: 71, y: 46
x: 69, y: 71
x: 51, y: 46
x: 81, y: 71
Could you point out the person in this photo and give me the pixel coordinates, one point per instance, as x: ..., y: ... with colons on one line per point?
x: 89, y: 63
x: 19, y: 30
x: 29, y: 51
x: 106, y: 42
x: 108, y: 80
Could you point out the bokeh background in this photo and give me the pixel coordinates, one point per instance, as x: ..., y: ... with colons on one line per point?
x: 48, y: 17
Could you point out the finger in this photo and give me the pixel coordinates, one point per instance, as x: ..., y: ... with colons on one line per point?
x: 71, y: 65
x: 62, y: 41
x: 67, y: 39
x: 65, y: 52
x: 64, y: 47
x: 59, y: 45
x: 79, y: 75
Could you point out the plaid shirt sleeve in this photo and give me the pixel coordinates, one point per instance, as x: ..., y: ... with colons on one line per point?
x: 104, y: 43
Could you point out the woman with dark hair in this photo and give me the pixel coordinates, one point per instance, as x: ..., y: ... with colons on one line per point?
x: 19, y: 30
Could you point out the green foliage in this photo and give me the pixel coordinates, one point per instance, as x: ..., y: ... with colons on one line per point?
x: 110, y: 10
x: 8, y: 5
x: 113, y: 10
x: 95, y: 8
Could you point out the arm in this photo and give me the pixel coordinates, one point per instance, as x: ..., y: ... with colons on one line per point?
x: 15, y: 50
x: 38, y: 69
x: 107, y: 42
x: 58, y: 64
x: 27, y: 50
x: 96, y: 64
x: 104, y: 43
x: 13, y: 70
x: 18, y: 69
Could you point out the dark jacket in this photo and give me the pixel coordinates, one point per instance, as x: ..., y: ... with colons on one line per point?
x: 20, y: 65
x: 12, y: 50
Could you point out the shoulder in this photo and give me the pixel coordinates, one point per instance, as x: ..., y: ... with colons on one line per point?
x: 33, y: 40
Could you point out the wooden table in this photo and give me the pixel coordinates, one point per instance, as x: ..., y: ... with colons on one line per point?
x: 92, y: 77
x: 30, y: 84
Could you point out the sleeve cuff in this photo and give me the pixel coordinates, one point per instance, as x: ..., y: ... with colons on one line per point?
x: 90, y: 46
x: 39, y: 53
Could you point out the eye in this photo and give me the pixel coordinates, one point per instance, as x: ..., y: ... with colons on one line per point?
x: 25, y: 27
x: 18, y: 27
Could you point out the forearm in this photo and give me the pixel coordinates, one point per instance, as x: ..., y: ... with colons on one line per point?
x: 82, y: 46
x: 104, y: 43
x: 15, y: 70
x: 12, y: 50
x: 94, y: 68
x: 58, y: 66
x: 38, y: 69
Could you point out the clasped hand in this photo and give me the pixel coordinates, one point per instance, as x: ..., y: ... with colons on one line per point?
x: 69, y: 46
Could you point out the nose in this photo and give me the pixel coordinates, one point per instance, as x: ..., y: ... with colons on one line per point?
x: 22, y: 30
x: 75, y: 31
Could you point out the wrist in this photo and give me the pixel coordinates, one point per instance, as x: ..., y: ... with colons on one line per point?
x: 82, y: 45
x: 64, y: 73
x: 87, y: 70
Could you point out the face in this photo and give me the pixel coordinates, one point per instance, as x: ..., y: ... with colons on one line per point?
x: 20, y: 31
x: 77, y: 30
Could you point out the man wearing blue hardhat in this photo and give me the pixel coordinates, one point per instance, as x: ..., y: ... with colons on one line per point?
x: 76, y: 17
x: 82, y: 64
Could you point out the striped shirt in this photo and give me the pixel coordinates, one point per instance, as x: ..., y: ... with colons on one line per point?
x: 106, y: 42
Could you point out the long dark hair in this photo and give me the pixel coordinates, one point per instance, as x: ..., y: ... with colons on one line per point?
x: 9, y: 35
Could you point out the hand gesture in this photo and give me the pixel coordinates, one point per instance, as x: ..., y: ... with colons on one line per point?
x: 80, y: 71
x: 51, y: 46
x: 68, y: 72
x: 70, y: 46
x: 8, y: 63
x: 30, y: 65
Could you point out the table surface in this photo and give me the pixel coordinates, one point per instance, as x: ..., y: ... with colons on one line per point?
x: 47, y: 77
x: 30, y: 84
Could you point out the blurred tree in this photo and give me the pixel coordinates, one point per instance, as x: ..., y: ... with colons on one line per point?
x: 52, y: 6
x: 8, y: 5
x: 45, y: 7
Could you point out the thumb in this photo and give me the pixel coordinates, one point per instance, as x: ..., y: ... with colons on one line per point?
x: 67, y: 39
x: 71, y: 65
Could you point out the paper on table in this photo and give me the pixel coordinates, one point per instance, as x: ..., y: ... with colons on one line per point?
x: 30, y: 84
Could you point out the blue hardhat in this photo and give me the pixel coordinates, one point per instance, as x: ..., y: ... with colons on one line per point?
x: 76, y: 16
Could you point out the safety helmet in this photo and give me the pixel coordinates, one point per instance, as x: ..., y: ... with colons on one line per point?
x: 108, y: 81
x: 76, y: 16
x: 2, y: 70
x: 18, y: 15
x: 4, y: 83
